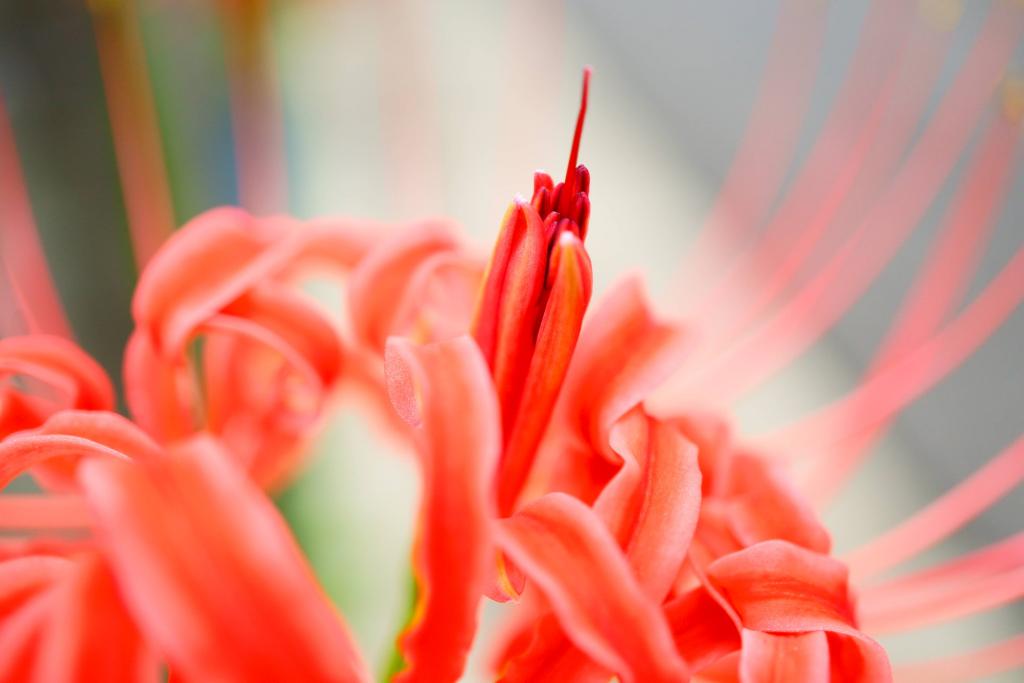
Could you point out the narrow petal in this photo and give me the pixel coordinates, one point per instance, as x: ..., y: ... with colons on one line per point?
x: 565, y: 549
x: 520, y: 308
x: 521, y: 250
x: 93, y: 390
x: 23, y: 577
x: 945, y: 602
x: 653, y: 513
x: 295, y: 320
x: 211, y: 573
x: 556, y: 338
x: 104, y: 428
x: 69, y: 436
x: 47, y: 511
x: 90, y: 636
x: 444, y: 392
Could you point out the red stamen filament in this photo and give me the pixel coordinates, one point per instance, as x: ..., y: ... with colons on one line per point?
x: 569, y: 188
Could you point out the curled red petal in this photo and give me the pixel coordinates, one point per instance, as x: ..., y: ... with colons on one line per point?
x: 159, y: 391
x: 379, y: 284
x: 779, y: 587
x: 92, y: 388
x: 568, y: 553
x: 444, y: 392
x: 297, y: 322
x: 654, y: 496
x: 69, y: 436
x: 623, y: 353
x: 211, y: 573
x: 205, y: 265
x: 703, y: 631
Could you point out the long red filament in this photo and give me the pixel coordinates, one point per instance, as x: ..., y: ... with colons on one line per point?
x: 831, y: 193
x: 949, y: 602
x: 935, y: 293
x: 821, y: 303
x: 990, y: 660
x: 33, y: 296
x: 992, y: 559
x: 944, y: 516
x: 569, y: 189
x: 768, y: 143
x: 133, y: 124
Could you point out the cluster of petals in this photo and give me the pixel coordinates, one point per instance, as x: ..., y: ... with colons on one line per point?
x: 627, y: 544
x: 637, y: 547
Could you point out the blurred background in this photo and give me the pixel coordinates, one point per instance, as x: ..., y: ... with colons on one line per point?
x: 147, y: 112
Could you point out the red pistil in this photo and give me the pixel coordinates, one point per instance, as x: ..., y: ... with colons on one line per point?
x: 570, y: 176
x: 569, y: 199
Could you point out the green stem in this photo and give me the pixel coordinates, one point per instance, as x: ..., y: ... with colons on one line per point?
x: 395, y: 661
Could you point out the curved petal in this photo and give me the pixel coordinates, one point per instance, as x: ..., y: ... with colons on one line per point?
x: 211, y: 573
x: 297, y: 322
x: 565, y: 549
x: 205, y: 265
x: 652, y: 505
x: 67, y: 437
x: 550, y: 657
x: 158, y: 391
x: 703, y: 631
x: 379, y: 284
x: 624, y: 352
x: 93, y: 390
x: 67, y: 378
x: 779, y: 587
x: 444, y: 392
